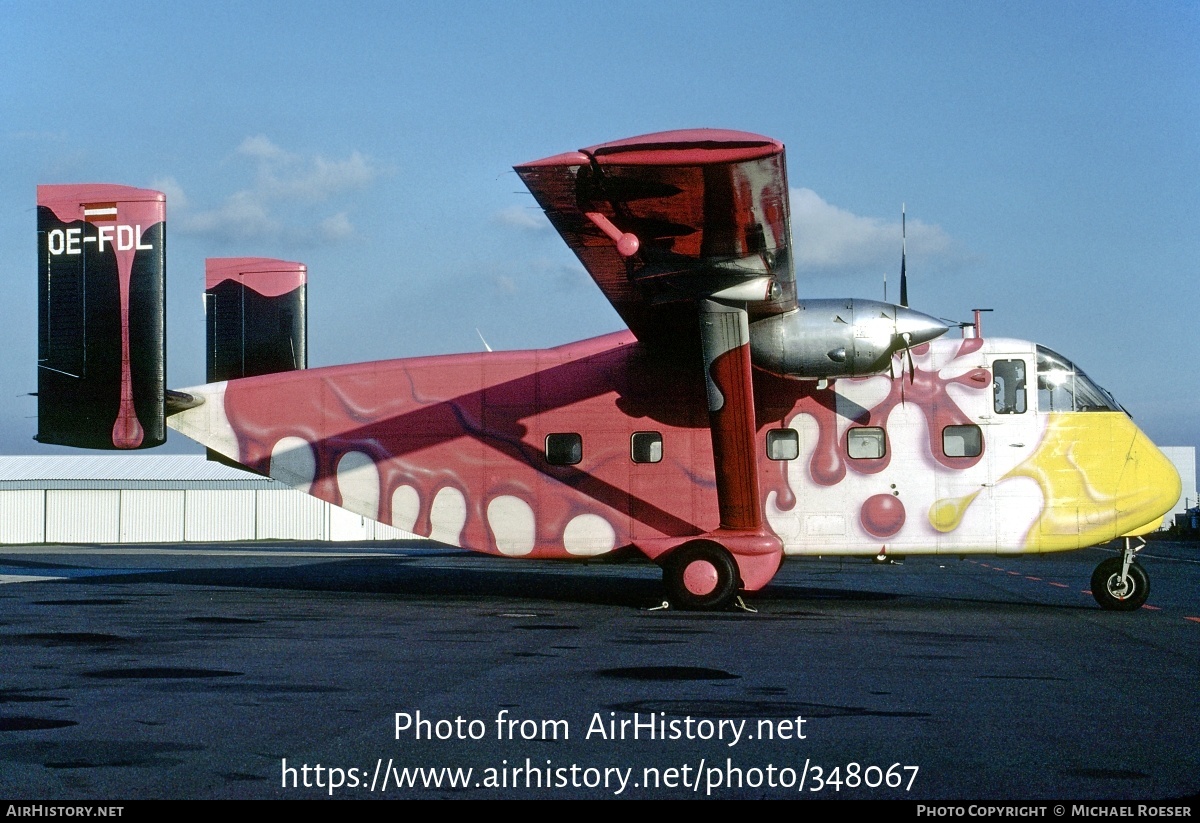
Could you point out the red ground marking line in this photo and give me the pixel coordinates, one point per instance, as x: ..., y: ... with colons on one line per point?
x: 1193, y: 619
x: 1086, y: 591
x: 1152, y: 608
x: 1060, y: 585
x: 997, y: 568
x: 1018, y: 574
x: 1038, y: 579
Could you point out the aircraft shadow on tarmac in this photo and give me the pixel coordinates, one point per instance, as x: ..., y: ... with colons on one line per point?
x: 630, y: 585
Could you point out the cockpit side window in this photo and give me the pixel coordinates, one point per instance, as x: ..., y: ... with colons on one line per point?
x: 1008, y: 386
x: 1063, y: 387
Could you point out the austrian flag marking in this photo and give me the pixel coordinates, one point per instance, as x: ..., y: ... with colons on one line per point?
x: 100, y: 212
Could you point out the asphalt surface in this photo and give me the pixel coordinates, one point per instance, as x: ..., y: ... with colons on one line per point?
x: 201, y: 671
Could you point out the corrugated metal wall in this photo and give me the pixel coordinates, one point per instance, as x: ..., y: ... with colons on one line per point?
x: 220, y: 515
x: 23, y: 516
x: 152, y: 516
x: 382, y: 531
x: 177, y: 516
x: 289, y: 515
x: 79, y: 516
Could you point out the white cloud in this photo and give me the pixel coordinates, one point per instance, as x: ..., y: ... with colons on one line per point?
x: 285, y: 199
x: 336, y: 227
x: 261, y: 148
x: 283, y: 175
x: 521, y: 217
x: 242, y: 216
x: 169, y: 186
x: 829, y: 238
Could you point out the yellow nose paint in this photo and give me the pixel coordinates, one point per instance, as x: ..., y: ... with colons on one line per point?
x: 1100, y: 478
x: 947, y: 513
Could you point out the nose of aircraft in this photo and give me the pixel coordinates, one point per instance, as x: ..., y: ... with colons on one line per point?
x: 914, y: 328
x: 1100, y: 477
x: 1149, y: 486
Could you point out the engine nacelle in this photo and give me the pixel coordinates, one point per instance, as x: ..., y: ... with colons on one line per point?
x: 838, y: 338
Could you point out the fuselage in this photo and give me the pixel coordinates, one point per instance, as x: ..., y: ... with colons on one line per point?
x: 584, y: 449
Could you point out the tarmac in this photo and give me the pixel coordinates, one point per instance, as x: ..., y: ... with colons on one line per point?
x: 410, y: 671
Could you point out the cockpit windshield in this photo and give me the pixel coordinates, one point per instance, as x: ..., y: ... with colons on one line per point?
x: 1062, y: 386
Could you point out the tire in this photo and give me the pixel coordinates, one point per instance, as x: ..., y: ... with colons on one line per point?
x: 1115, y: 594
x: 701, y: 575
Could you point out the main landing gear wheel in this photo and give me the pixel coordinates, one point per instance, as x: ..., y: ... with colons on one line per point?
x: 701, y: 575
x: 1116, y: 592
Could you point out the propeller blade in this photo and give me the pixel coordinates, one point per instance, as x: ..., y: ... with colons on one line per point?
x: 912, y: 370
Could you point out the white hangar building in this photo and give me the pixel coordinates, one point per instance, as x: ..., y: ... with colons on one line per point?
x: 135, y: 498
x: 139, y: 498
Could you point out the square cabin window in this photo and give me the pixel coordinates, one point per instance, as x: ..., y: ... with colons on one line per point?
x: 865, y: 442
x: 962, y: 441
x: 646, y: 447
x: 564, y: 449
x: 783, y: 444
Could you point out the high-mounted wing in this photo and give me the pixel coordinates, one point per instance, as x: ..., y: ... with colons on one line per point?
x: 663, y: 220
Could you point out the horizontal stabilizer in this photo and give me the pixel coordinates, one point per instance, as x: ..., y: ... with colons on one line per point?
x: 101, y: 316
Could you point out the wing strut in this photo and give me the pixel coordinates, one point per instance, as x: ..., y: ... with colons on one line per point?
x: 725, y: 343
x: 725, y: 340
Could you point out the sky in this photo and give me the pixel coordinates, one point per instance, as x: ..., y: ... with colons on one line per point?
x: 1047, y: 153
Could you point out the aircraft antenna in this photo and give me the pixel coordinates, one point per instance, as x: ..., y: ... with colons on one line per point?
x: 903, y: 259
x: 485, y: 343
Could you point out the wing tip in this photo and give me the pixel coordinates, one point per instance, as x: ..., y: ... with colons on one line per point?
x: 678, y: 147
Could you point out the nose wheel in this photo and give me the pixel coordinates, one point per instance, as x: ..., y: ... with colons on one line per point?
x: 701, y: 575
x: 1120, y: 584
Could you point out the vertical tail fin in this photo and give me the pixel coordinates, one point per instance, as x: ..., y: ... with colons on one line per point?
x: 101, y: 316
x: 257, y: 317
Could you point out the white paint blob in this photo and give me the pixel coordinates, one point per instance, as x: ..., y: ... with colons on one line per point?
x: 293, y: 462
x: 447, y: 516
x: 589, y: 534
x: 406, y: 508
x: 512, y: 523
x: 358, y: 481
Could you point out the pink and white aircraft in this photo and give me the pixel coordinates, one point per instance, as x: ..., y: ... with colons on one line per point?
x: 730, y: 426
